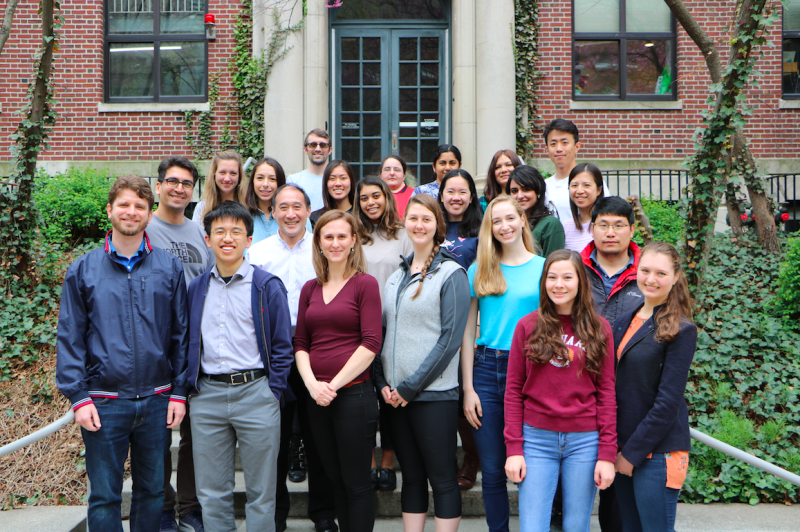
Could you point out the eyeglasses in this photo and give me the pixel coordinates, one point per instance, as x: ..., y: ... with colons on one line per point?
x: 323, y: 145
x: 235, y: 233
x: 396, y: 169
x: 604, y: 227
x: 174, y: 183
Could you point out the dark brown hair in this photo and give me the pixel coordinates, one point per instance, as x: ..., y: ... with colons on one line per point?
x: 389, y: 223
x: 441, y: 231
x: 327, y: 199
x: 135, y: 183
x: 598, y: 181
x: 492, y: 188
x: 250, y: 196
x: 678, y: 306
x: 545, y: 342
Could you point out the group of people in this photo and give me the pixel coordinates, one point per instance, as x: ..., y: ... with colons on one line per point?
x: 526, y: 318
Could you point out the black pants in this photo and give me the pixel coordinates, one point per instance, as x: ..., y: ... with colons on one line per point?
x: 321, y: 504
x: 425, y: 443
x: 347, y: 428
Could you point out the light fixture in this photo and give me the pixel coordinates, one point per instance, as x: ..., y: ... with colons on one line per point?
x: 649, y: 44
x: 211, y: 27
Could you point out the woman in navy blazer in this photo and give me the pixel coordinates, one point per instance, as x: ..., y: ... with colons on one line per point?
x: 654, y: 345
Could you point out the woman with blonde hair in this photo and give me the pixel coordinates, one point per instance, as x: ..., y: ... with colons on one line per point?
x: 504, y: 285
x: 338, y: 334
x: 223, y: 182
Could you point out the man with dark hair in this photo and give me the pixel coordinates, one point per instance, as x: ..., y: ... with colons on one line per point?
x: 317, y: 147
x: 170, y: 230
x: 122, y: 342
x: 610, y: 262
x: 240, y: 352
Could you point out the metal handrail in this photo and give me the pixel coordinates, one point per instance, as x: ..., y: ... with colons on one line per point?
x: 60, y: 423
x: 744, y: 457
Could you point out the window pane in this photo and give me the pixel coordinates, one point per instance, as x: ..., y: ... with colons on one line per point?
x: 351, y: 126
x: 791, y: 54
x: 182, y: 16
x: 131, y: 70
x: 408, y: 150
x: 429, y: 49
x: 372, y: 151
x: 372, y: 100
x: 391, y: 9
x: 648, y: 66
x: 408, y: 74
x: 647, y: 16
x: 429, y: 99
x: 408, y: 49
x: 183, y: 68
x: 596, y: 69
x: 791, y: 15
x: 130, y: 16
x: 430, y: 74
x: 371, y: 49
x: 350, y: 74
x: 350, y: 49
x: 371, y: 73
x: 372, y: 125
x: 597, y: 16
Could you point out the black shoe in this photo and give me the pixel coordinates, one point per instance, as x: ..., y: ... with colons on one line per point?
x: 556, y: 520
x: 297, y: 469
x: 374, y: 477
x: 387, y: 480
x: 280, y: 526
x: 326, y: 525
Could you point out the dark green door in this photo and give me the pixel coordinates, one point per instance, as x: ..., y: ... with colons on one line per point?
x: 390, y: 95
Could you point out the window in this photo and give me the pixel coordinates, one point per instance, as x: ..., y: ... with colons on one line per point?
x: 155, y: 51
x: 791, y: 48
x: 623, y: 50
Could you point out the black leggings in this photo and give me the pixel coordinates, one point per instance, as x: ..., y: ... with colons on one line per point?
x: 344, y: 432
x: 424, y: 435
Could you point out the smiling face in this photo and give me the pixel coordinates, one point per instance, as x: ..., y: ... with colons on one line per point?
x: 227, y: 177
x: 339, y: 184
x: 392, y: 174
x: 265, y: 183
x: 445, y: 163
x: 656, y: 277
x: 337, y: 241
x: 502, y: 170
x: 420, y: 225
x: 372, y: 202
x: 526, y: 197
x: 506, y: 224
x: 562, y: 149
x: 562, y: 284
x: 317, y: 149
x: 456, y: 197
x: 129, y: 214
x: 175, y: 197
x: 291, y: 213
x: 228, y: 240
x: 612, y: 234
x: 583, y: 190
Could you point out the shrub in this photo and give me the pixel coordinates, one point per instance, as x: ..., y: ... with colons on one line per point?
x: 73, y: 204
x: 787, y: 294
x: 665, y: 221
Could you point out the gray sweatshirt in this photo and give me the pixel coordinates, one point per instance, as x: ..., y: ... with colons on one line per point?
x: 423, y: 335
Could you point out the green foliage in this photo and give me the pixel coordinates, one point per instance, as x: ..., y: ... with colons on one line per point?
x: 201, y: 147
x: 666, y: 221
x: 526, y: 55
x: 73, y: 204
x: 744, y: 386
x: 787, y: 296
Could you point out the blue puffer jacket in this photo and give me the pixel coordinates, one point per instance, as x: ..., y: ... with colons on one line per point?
x: 272, y: 320
x: 122, y: 335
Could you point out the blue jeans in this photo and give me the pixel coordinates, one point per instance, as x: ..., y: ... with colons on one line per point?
x: 142, y: 425
x: 573, y: 455
x: 645, y: 501
x: 489, y: 381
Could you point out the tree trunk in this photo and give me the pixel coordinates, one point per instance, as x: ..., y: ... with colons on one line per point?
x: 5, y: 28
x: 642, y: 221
x: 734, y: 212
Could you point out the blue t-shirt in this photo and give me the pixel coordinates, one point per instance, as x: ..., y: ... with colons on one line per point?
x: 500, y: 314
x: 464, y: 249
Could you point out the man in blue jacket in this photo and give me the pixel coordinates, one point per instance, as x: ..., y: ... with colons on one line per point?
x: 122, y: 341
x: 240, y: 352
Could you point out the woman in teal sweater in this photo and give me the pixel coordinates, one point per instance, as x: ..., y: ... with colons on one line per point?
x: 527, y: 186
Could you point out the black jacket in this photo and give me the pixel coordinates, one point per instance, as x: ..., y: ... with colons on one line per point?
x: 625, y: 294
x: 652, y: 416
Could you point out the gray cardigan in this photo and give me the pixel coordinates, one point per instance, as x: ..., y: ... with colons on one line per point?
x: 423, y: 335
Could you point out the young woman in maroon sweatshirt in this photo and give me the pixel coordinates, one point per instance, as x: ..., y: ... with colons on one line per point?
x: 560, y: 405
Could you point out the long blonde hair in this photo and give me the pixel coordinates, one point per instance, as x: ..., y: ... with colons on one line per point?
x: 489, y: 279
x: 356, y: 263
x: 211, y: 194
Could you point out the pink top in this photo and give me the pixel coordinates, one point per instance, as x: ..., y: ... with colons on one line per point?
x: 553, y: 397
x: 401, y: 197
x: 331, y: 333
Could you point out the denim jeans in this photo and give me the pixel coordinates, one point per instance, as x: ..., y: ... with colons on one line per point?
x: 645, y: 501
x: 573, y: 455
x: 489, y: 381
x: 142, y: 424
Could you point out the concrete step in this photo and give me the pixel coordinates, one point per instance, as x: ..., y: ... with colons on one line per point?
x: 44, y: 519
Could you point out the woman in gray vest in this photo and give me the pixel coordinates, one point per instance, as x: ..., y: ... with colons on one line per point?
x: 427, y: 302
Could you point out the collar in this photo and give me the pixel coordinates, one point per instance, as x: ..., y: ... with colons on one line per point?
x: 593, y: 258
x: 307, y: 236
x: 244, y: 269
x: 145, y: 246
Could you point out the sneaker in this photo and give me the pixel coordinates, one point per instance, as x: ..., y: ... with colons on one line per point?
x: 374, y: 477
x: 168, y: 523
x: 387, y: 480
x: 192, y: 522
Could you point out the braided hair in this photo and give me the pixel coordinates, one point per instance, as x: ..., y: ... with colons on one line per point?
x: 432, y: 205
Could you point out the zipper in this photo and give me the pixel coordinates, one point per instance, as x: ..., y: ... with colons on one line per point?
x: 263, y: 333
x: 197, y: 374
x: 396, y: 317
x: 133, y: 325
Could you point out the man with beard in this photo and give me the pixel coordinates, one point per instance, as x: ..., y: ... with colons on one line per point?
x: 122, y: 346
x: 317, y: 147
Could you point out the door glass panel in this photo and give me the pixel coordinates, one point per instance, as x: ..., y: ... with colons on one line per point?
x: 350, y: 49
x: 372, y: 125
x: 429, y: 72
x: 349, y: 73
x: 408, y: 150
x: 372, y: 100
x: 408, y: 74
x: 372, y: 169
x: 408, y: 125
x: 371, y: 49
x: 429, y: 125
x: 429, y: 99
x: 391, y: 10
x: 350, y: 151
x: 408, y: 100
x: 350, y: 100
x: 351, y: 127
x: 429, y: 49
x: 372, y: 151
x: 408, y: 49
x: 372, y: 74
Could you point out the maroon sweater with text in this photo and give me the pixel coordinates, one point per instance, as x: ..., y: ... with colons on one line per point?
x: 552, y: 396
x: 331, y: 333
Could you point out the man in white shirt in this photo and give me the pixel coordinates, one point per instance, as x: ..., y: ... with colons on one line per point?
x: 317, y: 147
x: 562, y: 146
x: 288, y: 255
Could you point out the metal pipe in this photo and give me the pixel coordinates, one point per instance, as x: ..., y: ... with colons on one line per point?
x: 745, y: 457
x: 63, y: 421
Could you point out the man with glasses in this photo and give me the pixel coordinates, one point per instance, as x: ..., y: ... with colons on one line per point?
x: 169, y: 230
x: 317, y: 147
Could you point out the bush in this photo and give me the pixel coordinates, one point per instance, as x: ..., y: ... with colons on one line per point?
x: 73, y: 204
x: 665, y: 221
x: 787, y: 294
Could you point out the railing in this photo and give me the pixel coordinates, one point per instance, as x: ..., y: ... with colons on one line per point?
x: 784, y: 188
x: 60, y: 423
x: 661, y: 185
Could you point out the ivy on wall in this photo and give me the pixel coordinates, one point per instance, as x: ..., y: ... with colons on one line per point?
x: 200, y: 144
x: 526, y: 55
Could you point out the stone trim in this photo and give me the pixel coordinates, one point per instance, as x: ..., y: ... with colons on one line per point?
x: 788, y: 104
x: 625, y: 106
x: 151, y: 107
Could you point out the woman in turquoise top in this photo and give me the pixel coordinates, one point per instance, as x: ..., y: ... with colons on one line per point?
x: 266, y: 177
x: 504, y: 285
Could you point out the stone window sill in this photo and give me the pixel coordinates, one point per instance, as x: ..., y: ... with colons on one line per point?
x: 583, y: 105
x: 151, y: 107
x: 788, y: 104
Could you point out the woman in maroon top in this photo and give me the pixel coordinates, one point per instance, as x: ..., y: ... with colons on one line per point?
x: 338, y: 334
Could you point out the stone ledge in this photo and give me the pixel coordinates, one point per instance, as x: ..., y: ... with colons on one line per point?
x: 582, y: 105
x: 151, y: 107
x: 788, y: 104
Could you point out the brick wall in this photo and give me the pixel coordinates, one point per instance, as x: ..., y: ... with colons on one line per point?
x: 773, y: 132
x: 82, y: 133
